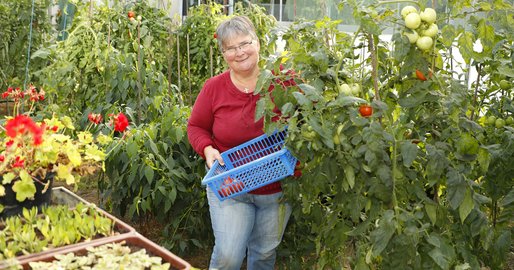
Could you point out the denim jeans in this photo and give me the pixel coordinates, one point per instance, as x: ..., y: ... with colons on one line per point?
x: 252, y: 224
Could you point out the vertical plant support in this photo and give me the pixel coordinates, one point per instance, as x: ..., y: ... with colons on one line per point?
x: 189, y: 70
x: 179, y: 82
x: 139, y: 85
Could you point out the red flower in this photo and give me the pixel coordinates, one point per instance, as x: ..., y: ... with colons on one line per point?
x: 5, y: 94
x: 95, y: 118
x: 2, y: 158
x: 18, y: 162
x: 120, y: 122
x: 9, y: 143
x: 215, y: 35
x: 21, y: 125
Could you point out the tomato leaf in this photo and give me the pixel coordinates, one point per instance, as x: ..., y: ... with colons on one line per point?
x: 457, y: 188
x: 385, y: 231
x: 466, y: 206
x: 409, y: 152
x: 431, y: 210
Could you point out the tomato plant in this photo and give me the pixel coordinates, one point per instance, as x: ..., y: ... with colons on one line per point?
x: 389, y: 187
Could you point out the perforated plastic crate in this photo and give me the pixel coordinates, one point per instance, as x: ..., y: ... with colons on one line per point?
x: 251, y: 165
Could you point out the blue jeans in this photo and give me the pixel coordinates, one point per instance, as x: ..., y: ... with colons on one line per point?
x: 247, y: 223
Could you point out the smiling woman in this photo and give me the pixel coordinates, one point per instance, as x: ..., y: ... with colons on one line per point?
x: 223, y: 117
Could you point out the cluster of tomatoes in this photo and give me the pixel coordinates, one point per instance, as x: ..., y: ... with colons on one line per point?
x: 499, y: 122
x: 421, y: 27
x: 230, y: 186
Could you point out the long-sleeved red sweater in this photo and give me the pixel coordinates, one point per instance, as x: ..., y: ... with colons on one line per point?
x: 224, y: 117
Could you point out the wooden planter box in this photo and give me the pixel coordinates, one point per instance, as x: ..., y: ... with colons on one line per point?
x: 64, y: 196
x: 133, y: 240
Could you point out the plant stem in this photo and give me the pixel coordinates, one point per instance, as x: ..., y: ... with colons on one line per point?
x: 374, y: 65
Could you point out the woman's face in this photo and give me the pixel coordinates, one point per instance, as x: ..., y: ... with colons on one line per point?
x: 241, y: 53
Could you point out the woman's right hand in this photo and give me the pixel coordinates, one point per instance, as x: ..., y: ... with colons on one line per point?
x: 211, y: 154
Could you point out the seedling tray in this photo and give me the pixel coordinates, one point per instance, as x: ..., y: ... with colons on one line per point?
x: 251, y: 165
x: 134, y: 240
x: 120, y: 228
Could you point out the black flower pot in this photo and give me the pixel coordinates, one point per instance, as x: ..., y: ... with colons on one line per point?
x: 42, y: 197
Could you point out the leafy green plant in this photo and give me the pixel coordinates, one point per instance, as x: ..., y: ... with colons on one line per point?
x: 56, y: 226
x: 155, y: 175
x: 117, y: 255
x: 109, y: 60
x: 15, y: 17
x: 411, y: 186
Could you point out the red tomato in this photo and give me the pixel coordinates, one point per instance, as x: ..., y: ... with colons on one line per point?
x: 420, y: 75
x: 365, y: 110
x: 131, y: 14
x: 239, y: 186
x: 228, y: 181
x: 224, y: 192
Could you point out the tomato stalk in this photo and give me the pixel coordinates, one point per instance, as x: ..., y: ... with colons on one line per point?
x: 374, y: 64
x: 475, y: 94
x: 397, y: 1
x: 338, y: 67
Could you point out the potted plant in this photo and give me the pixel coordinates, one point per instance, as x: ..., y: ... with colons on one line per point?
x: 35, y: 152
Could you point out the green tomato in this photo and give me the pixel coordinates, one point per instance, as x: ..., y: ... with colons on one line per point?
x: 412, y: 21
x: 428, y: 15
x: 491, y: 120
x: 509, y: 121
x: 412, y: 36
x: 431, y: 31
x: 424, y: 43
x: 499, y: 123
x: 355, y: 88
x: 345, y: 89
x: 408, y: 10
x: 467, y: 145
x: 504, y: 84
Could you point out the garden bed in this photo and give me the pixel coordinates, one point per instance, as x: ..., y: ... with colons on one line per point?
x: 39, y: 237
x: 135, y: 241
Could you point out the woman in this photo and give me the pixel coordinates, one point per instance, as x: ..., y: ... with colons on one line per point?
x: 223, y: 115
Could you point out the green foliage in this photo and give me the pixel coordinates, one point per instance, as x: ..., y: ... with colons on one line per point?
x: 57, y: 226
x: 155, y: 174
x: 109, y: 60
x: 419, y: 185
x: 198, y: 52
x: 15, y: 18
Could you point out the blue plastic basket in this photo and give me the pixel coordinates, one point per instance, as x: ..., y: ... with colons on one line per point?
x: 251, y: 165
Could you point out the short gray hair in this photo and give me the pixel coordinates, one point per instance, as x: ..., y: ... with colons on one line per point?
x: 238, y: 25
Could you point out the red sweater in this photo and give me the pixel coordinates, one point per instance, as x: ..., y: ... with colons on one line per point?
x: 223, y: 117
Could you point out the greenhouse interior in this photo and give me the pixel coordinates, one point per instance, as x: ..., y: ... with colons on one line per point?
x: 257, y: 134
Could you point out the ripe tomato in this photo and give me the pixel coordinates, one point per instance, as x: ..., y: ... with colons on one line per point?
x: 131, y: 14
x: 420, y: 75
x: 238, y: 186
x: 365, y: 110
x: 224, y: 192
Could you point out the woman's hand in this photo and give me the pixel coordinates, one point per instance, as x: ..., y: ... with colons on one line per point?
x: 211, y: 154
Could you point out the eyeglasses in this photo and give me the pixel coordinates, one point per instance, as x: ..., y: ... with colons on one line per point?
x: 230, y: 51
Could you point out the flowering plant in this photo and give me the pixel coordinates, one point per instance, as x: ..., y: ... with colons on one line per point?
x: 30, y: 151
